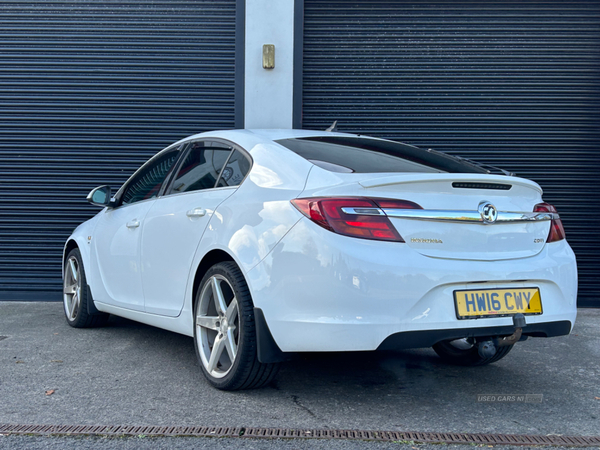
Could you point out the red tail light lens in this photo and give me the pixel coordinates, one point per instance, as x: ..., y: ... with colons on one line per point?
x: 327, y: 212
x: 557, y: 232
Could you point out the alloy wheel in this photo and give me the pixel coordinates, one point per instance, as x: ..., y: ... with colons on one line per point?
x: 217, y: 323
x: 72, y: 289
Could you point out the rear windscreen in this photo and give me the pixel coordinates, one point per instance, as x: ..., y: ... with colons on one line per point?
x: 362, y: 155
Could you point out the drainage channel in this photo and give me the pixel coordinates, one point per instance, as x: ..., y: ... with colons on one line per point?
x: 289, y: 433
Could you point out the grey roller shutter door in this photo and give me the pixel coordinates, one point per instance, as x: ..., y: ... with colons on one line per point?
x: 513, y: 84
x: 88, y: 91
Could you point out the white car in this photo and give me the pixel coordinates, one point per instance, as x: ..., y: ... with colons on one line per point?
x: 261, y: 244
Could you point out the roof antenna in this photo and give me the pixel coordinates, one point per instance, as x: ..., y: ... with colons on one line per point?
x: 333, y: 126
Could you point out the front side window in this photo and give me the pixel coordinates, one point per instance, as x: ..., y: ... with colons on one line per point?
x: 147, y: 182
x: 201, y: 167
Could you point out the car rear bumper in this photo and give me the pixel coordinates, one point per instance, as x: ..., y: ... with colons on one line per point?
x: 320, y: 291
x: 417, y: 339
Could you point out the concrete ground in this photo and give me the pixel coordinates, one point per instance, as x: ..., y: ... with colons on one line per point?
x: 133, y: 374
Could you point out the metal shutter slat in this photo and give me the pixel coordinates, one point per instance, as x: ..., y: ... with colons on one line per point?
x: 88, y: 92
x: 513, y: 84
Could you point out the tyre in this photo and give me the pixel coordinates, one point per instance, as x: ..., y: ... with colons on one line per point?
x: 464, y: 352
x: 75, y: 295
x: 224, y: 331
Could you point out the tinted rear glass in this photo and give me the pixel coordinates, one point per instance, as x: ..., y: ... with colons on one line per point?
x: 362, y: 155
x: 201, y: 167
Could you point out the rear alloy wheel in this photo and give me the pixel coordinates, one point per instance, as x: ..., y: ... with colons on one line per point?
x: 75, y: 295
x: 224, y: 331
x: 464, y: 352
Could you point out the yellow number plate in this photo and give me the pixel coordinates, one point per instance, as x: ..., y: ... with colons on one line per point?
x: 472, y: 304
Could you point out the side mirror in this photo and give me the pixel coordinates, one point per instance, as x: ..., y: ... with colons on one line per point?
x: 99, y: 196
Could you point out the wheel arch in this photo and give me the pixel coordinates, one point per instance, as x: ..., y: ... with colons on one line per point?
x: 213, y: 257
x: 72, y: 243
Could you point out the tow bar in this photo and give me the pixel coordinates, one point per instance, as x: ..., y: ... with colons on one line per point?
x: 489, y: 347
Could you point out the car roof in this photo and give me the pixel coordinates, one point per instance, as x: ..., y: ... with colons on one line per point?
x: 248, y: 138
x: 277, y: 134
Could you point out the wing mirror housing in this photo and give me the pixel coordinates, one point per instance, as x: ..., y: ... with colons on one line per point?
x: 100, y: 196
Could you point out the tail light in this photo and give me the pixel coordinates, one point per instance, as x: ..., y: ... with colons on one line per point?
x: 557, y: 232
x: 354, y: 216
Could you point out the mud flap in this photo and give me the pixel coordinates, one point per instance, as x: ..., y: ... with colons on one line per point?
x: 267, y: 349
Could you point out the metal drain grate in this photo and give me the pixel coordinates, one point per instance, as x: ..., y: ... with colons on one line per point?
x: 290, y: 433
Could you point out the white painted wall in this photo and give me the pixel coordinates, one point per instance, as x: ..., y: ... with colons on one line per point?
x: 268, y: 93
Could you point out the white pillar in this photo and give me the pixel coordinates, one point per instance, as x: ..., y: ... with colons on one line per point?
x: 268, y: 93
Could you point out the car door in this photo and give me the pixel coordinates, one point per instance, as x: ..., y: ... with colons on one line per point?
x: 117, y: 236
x: 175, y: 223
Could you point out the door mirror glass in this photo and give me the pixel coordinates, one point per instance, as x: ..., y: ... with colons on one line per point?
x: 99, y: 196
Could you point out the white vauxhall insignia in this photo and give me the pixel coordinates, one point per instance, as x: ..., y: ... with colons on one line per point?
x: 262, y: 244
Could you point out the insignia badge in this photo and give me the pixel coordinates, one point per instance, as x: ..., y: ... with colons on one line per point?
x: 488, y: 212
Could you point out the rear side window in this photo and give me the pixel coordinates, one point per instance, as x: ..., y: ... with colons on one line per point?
x: 201, y: 167
x: 362, y: 155
x: 235, y: 171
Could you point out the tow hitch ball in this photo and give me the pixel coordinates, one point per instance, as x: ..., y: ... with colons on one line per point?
x: 488, y: 347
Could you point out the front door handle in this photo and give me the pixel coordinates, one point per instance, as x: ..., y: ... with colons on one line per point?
x: 196, y: 212
x: 133, y: 224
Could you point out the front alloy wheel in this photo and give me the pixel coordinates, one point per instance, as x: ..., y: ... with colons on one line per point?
x: 72, y: 288
x: 224, y: 331
x: 75, y: 295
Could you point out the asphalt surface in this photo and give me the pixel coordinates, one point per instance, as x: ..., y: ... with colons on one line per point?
x: 55, y: 443
x: 52, y: 443
x: 132, y: 374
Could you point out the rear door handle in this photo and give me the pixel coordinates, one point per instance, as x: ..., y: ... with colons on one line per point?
x: 133, y: 224
x: 196, y: 212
